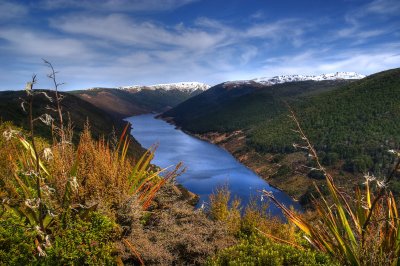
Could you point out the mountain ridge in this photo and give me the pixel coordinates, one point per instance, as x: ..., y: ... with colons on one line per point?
x: 269, y: 81
x: 182, y: 86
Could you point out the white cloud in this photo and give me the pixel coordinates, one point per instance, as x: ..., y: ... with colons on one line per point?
x: 121, y: 29
x: 37, y: 44
x: 363, y: 23
x: 317, y: 62
x: 98, y: 49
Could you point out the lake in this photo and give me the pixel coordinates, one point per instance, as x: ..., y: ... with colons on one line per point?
x: 208, y: 166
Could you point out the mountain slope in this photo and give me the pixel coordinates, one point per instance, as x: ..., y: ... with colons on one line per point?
x: 357, y: 120
x: 133, y: 100
x: 80, y: 111
x: 231, y: 106
x: 353, y: 124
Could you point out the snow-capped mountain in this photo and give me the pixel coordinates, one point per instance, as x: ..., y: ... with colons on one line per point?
x: 182, y: 86
x: 293, y: 78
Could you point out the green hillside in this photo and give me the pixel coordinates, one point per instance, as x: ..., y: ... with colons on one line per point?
x: 355, y: 121
x: 123, y: 103
x: 80, y: 111
x: 224, y: 108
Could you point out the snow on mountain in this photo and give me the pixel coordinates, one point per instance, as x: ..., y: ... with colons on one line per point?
x: 182, y: 86
x: 293, y: 78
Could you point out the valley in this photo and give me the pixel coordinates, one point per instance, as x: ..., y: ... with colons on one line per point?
x: 351, y: 124
x: 134, y: 100
x: 192, y: 132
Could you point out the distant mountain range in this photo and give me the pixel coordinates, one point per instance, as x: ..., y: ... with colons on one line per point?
x: 137, y: 99
x: 181, y: 86
x: 268, y: 81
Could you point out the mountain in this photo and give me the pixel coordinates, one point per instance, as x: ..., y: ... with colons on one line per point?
x: 101, y: 122
x: 296, y: 78
x: 181, y: 86
x: 357, y: 122
x: 230, y: 106
x: 349, y: 117
x: 133, y: 100
x: 352, y: 123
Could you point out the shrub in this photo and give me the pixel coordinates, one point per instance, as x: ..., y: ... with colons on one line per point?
x: 316, y: 174
x: 16, y: 240
x: 256, y: 250
x: 283, y: 171
x: 222, y: 208
x: 83, y: 241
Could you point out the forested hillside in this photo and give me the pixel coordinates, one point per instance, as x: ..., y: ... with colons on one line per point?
x: 357, y: 122
x: 227, y: 107
x: 354, y: 121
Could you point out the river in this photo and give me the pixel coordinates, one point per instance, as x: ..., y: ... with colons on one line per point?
x: 208, y: 166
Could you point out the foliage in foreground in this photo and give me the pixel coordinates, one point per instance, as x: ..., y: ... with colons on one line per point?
x: 364, y: 230
x: 258, y: 250
x: 257, y: 232
x: 62, y: 201
x: 74, y: 242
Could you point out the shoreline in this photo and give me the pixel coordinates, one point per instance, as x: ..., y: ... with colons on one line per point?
x: 203, y: 137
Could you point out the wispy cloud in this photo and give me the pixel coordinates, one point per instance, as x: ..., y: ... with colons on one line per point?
x: 37, y: 44
x: 121, y: 42
x: 121, y: 29
x: 365, y: 22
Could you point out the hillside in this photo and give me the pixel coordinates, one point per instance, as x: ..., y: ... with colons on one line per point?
x: 135, y: 100
x: 80, y: 111
x: 357, y: 123
x: 352, y: 124
x: 231, y: 106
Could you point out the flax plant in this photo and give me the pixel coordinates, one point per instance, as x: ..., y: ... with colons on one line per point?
x: 364, y: 230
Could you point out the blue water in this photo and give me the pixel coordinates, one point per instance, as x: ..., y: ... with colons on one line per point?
x: 208, y: 166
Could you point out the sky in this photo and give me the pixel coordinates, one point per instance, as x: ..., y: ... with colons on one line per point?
x: 115, y: 43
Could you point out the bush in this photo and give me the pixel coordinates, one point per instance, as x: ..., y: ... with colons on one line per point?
x: 257, y: 250
x: 83, y: 242
x: 316, y: 174
x: 283, y: 171
x: 16, y: 241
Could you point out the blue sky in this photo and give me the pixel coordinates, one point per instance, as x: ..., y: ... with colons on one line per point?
x: 120, y: 42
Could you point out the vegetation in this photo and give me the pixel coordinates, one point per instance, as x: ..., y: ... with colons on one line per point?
x: 360, y: 231
x: 75, y: 110
x: 224, y: 108
x: 91, y: 203
x: 355, y: 123
x: 352, y: 124
x: 257, y: 233
x: 84, y: 200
